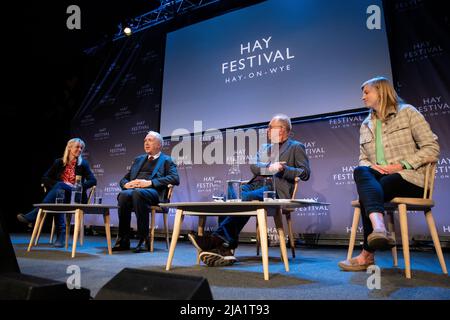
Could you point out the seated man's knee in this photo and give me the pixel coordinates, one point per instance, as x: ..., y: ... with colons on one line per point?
x: 136, y: 195
x: 256, y: 194
x: 246, y: 196
x: 123, y: 196
x: 246, y: 188
x: 246, y: 192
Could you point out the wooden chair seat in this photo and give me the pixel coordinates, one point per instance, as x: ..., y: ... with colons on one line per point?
x: 402, y: 205
x: 414, y: 204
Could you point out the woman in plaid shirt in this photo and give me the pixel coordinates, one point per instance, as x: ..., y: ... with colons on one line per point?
x: 396, y: 143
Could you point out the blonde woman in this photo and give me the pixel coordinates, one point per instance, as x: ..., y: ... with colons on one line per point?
x: 396, y: 143
x: 61, y: 176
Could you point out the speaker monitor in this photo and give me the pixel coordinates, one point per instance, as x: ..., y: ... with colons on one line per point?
x: 135, y: 284
x: 8, y: 261
x: 17, y: 286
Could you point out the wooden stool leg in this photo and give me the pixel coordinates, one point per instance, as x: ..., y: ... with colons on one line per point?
x: 201, y: 225
x: 279, y: 225
x: 52, y: 233
x: 351, y: 244
x: 291, y: 233
x: 35, y: 229
x: 262, y: 221
x: 176, y: 233
x: 76, y: 231
x: 391, y: 228
x: 435, y: 237
x: 41, y: 224
x: 68, y: 221
x: 106, y: 220
x: 200, y: 231
x: 152, y: 229
x: 81, y: 228
x: 258, y: 238
x: 166, y: 229
x: 405, y: 238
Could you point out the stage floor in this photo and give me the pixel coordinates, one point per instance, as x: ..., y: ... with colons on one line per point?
x: 314, y: 272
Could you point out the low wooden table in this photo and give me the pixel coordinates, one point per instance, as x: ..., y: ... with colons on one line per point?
x: 259, y: 209
x: 79, y: 209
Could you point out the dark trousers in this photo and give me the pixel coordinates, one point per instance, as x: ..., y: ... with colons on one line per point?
x: 374, y: 189
x: 230, y: 227
x: 51, y: 198
x: 139, y: 201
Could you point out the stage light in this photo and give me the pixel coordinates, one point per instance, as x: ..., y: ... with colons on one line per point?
x: 127, y: 31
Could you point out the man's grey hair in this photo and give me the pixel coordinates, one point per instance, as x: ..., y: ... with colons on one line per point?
x: 156, y: 135
x: 285, y: 119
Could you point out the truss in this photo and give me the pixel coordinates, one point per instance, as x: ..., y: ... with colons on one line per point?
x: 167, y: 10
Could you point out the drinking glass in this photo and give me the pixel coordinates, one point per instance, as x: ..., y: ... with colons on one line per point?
x: 60, y: 195
x: 98, y: 196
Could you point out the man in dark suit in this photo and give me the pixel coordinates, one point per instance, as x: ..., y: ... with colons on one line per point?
x: 283, y: 159
x: 143, y: 186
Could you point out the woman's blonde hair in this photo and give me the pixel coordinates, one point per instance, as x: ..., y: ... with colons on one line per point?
x: 389, y: 100
x: 67, y: 150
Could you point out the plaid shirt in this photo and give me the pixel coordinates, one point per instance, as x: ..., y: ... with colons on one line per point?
x: 407, y: 136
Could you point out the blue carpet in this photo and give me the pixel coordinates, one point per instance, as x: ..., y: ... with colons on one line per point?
x: 314, y: 273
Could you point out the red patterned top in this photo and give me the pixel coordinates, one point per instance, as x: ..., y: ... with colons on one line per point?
x: 68, y: 174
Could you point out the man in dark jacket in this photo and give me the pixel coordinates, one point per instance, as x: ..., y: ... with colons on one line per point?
x: 143, y: 186
x: 283, y: 159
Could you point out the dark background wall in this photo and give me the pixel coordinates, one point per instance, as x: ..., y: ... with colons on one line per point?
x: 46, y: 73
x: 49, y: 76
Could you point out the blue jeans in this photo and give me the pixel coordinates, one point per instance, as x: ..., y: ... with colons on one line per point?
x: 230, y: 227
x: 374, y: 189
x: 51, y: 198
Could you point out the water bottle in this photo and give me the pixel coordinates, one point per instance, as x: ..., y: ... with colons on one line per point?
x: 233, y: 185
x: 77, y: 191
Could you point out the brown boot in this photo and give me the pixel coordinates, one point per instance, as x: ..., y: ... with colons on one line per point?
x: 359, y: 263
x: 381, y: 240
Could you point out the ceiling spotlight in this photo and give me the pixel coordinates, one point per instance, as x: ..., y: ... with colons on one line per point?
x: 127, y: 31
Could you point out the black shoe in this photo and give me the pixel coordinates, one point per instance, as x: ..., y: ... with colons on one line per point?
x: 21, y: 217
x: 218, y: 257
x: 143, y: 246
x: 60, y: 239
x: 207, y: 242
x: 122, y: 244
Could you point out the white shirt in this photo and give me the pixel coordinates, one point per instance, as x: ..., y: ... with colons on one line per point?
x: 156, y: 156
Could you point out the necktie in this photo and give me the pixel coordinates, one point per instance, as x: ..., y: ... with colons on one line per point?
x: 151, y: 158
